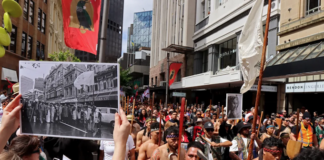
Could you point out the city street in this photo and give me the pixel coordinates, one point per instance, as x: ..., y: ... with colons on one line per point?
x: 62, y: 129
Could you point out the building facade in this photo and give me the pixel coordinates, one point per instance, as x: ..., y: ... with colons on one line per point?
x: 114, y: 35
x: 142, y: 29
x: 173, y: 22
x: 27, y: 85
x: 54, y: 84
x: 56, y: 33
x: 130, y: 39
x: 39, y: 84
x: 300, y: 56
x: 29, y: 38
x: 71, y: 73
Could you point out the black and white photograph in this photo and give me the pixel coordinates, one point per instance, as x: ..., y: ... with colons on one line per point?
x: 65, y: 99
x: 234, y: 104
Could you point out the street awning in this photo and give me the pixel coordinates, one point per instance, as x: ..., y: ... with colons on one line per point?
x: 299, y: 61
x: 178, y: 49
x: 9, y: 74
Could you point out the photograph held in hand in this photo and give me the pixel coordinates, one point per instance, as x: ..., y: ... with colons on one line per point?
x: 234, y: 104
x: 76, y: 100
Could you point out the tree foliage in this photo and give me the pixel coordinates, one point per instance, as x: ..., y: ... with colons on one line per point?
x: 125, y: 78
x: 65, y: 56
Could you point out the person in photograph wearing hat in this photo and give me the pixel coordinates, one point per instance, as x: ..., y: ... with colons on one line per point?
x: 213, y: 144
x: 307, y: 132
x: 240, y: 147
x: 149, y: 146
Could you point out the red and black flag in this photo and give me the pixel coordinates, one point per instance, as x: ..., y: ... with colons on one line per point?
x: 81, y: 24
x: 174, y: 68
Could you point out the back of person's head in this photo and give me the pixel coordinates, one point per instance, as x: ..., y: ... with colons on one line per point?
x: 196, y: 145
x: 9, y: 155
x: 310, y: 154
x: 24, y: 145
x: 272, y: 142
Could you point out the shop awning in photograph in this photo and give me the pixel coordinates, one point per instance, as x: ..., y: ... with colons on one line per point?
x: 9, y: 74
x: 178, y: 49
x: 74, y: 100
x: 299, y: 61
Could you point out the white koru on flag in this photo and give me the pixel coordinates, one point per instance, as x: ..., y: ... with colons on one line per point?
x: 86, y: 78
x: 250, y: 46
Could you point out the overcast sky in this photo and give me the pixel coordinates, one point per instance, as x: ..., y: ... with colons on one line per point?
x: 132, y: 6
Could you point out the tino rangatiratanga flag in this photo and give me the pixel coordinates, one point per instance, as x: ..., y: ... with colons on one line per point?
x: 174, y: 69
x: 81, y: 24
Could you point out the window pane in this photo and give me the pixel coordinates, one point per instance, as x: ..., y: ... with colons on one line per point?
x: 283, y: 58
x: 312, y: 6
x: 228, y: 53
x: 43, y: 22
x: 306, y: 52
x: 31, y: 12
x: 295, y: 54
x: 39, y: 19
x: 317, y: 51
x: 29, y: 47
x: 26, y: 9
x: 13, y: 39
x: 23, y: 44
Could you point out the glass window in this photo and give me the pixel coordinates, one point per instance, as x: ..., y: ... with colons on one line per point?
x: 284, y: 57
x: 42, y: 51
x: 179, y: 76
x: 306, y: 52
x: 228, y: 53
x: 37, y: 50
x: 43, y: 22
x: 39, y: 19
x: 29, y: 47
x: 295, y: 54
x: 316, y: 52
x: 205, y: 61
x: 23, y: 44
x: 26, y: 9
x: 31, y: 12
x: 13, y: 39
x: 312, y: 6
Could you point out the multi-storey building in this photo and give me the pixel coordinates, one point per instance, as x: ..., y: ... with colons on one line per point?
x: 71, y: 73
x: 28, y: 84
x: 54, y: 84
x: 130, y: 39
x: 142, y: 29
x: 173, y: 24
x: 56, y: 33
x: 39, y: 84
x: 29, y: 38
x: 301, y: 53
x: 114, y: 35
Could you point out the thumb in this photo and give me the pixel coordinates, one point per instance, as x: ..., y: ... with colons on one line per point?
x: 16, y: 110
x: 117, y: 120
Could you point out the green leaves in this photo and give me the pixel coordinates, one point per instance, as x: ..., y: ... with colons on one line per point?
x: 65, y: 56
x: 124, y: 77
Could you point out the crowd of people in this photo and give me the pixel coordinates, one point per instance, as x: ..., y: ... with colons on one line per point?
x: 206, y: 133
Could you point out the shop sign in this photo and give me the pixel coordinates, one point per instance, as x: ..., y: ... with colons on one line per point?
x: 264, y: 88
x: 178, y: 94
x: 305, y: 87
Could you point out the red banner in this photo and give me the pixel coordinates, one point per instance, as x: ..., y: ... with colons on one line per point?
x: 81, y: 24
x: 174, y: 68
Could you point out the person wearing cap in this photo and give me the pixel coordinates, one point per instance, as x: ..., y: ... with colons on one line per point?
x: 307, y: 132
x: 213, y: 144
x: 240, y: 147
x: 198, y: 129
x: 144, y: 134
x: 149, y: 146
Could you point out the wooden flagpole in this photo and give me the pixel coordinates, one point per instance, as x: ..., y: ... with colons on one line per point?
x: 210, y: 105
x: 127, y: 104
x: 152, y: 103
x: 264, y: 50
x: 223, y: 114
x: 181, y: 126
x: 260, y: 124
x: 132, y: 117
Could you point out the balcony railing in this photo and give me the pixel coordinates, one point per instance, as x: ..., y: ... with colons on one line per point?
x: 201, y: 24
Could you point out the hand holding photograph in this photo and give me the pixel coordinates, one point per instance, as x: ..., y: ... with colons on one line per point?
x: 70, y: 100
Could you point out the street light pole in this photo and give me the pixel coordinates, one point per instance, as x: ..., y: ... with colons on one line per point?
x: 167, y: 84
x: 105, y: 15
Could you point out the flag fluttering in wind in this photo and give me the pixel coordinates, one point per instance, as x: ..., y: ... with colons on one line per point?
x: 81, y: 24
x: 146, y: 93
x: 84, y: 79
x: 174, y: 69
x: 250, y: 46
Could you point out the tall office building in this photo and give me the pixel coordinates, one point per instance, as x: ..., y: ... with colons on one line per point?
x: 39, y: 84
x: 27, y: 84
x: 142, y: 29
x: 130, y: 39
x: 114, y: 35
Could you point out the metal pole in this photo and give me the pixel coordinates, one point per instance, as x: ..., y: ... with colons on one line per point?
x: 167, y: 84
x: 105, y: 15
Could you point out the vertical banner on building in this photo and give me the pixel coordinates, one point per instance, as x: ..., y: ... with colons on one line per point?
x: 81, y: 24
x: 174, y: 69
x: 136, y: 86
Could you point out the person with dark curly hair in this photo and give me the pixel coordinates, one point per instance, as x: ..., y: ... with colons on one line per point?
x: 310, y: 154
x: 272, y: 149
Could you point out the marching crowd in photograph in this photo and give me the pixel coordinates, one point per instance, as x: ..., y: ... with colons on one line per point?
x: 206, y: 134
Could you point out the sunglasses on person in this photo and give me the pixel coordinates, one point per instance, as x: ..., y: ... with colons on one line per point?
x: 210, y: 130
